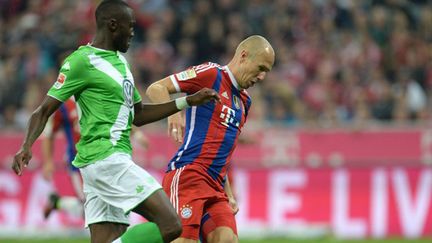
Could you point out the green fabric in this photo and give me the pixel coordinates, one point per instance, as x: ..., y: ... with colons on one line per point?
x: 103, y: 87
x: 142, y: 233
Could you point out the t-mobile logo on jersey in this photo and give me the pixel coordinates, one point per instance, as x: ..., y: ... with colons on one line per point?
x: 227, y: 115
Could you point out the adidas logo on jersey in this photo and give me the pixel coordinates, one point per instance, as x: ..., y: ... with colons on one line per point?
x: 66, y: 66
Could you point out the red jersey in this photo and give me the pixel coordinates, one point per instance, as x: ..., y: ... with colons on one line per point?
x: 212, y: 129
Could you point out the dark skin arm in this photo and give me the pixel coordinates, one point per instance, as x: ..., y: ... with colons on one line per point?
x: 35, y: 127
x: 144, y: 113
x: 147, y: 113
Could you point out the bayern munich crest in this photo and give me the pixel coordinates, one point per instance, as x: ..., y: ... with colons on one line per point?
x: 236, y: 102
x: 186, y: 211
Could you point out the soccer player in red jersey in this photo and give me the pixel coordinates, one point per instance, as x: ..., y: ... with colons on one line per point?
x: 196, y: 179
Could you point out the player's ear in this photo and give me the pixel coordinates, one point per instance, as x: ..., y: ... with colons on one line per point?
x: 243, y: 56
x: 112, y: 24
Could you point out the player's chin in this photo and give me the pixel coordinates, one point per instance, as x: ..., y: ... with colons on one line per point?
x: 124, y: 48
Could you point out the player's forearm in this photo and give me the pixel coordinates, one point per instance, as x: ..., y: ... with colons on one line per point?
x: 154, y: 112
x: 146, y: 113
x: 228, y: 189
x: 35, y: 127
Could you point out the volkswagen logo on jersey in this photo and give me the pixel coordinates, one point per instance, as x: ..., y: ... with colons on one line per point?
x: 186, y: 211
x: 128, y: 90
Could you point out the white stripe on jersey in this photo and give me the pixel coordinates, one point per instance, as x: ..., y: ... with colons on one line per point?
x: 121, y: 122
x: 174, y: 189
x: 191, y: 130
x: 128, y: 72
x: 205, y: 67
x: 175, y: 83
x: 104, y: 66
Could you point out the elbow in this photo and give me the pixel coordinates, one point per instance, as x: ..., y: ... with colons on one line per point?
x: 153, y: 90
x: 150, y: 90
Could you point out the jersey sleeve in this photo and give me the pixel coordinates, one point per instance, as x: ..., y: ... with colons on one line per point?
x: 195, y: 78
x: 137, y: 96
x: 71, y: 78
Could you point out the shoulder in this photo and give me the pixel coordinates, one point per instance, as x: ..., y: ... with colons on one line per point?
x: 207, y: 66
x: 208, y: 69
x: 81, y: 52
x: 78, y: 58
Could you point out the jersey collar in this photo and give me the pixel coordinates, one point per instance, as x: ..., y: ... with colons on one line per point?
x: 232, y: 78
x: 99, y: 49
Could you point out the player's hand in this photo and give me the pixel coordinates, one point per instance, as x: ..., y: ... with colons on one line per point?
x: 48, y: 171
x: 203, y: 96
x: 234, y: 206
x: 21, y: 160
x: 176, y: 127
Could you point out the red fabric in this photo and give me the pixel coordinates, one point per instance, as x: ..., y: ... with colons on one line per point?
x: 193, y: 193
x: 220, y: 214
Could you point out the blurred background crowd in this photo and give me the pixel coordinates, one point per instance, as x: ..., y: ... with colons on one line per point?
x: 338, y: 62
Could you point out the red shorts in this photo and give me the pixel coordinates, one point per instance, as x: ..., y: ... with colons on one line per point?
x: 193, y: 194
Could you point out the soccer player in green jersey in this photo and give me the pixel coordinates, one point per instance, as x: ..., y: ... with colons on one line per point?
x: 108, y: 103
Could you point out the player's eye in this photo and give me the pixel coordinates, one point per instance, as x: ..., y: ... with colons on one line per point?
x: 263, y: 68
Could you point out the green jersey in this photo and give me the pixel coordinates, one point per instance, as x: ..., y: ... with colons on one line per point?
x: 104, y: 91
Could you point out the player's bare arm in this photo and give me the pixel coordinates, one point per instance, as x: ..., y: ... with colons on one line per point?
x: 35, y: 127
x: 147, y: 113
x: 47, y: 152
x: 231, y: 198
x: 160, y: 92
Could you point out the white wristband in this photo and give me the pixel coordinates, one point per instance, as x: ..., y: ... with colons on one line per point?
x: 181, y: 103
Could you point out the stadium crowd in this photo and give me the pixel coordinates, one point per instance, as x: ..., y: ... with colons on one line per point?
x: 338, y: 62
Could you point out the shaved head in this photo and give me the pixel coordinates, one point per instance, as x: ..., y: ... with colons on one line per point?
x: 255, y: 45
x: 253, y: 59
x: 109, y: 9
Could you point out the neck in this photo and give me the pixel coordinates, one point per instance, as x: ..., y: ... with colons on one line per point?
x: 236, y: 72
x: 103, y: 42
x: 233, y: 66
